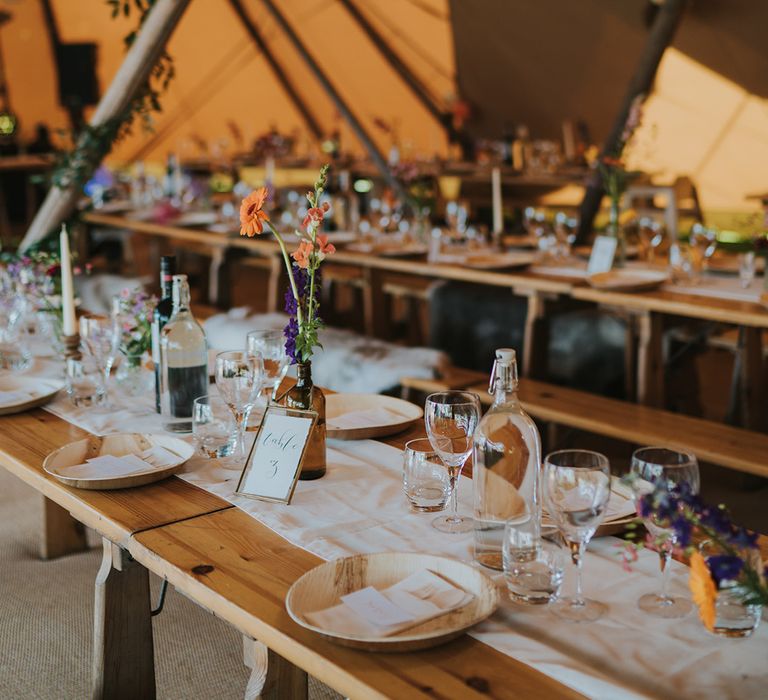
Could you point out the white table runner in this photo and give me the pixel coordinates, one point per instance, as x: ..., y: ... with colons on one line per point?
x: 359, y: 507
x: 719, y: 288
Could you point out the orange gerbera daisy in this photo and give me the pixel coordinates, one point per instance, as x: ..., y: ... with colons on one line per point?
x: 703, y: 590
x: 252, y: 214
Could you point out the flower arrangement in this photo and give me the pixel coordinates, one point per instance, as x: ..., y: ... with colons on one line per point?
x: 611, y: 165
x: 303, y: 265
x: 133, y: 309
x: 731, y: 559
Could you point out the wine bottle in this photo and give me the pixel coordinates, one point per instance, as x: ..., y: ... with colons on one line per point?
x: 183, y: 362
x: 506, y: 477
x: 161, y: 314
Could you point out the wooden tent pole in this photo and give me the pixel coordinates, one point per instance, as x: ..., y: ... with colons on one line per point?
x: 662, y: 32
x: 412, y: 81
x: 277, y: 69
x: 338, y: 101
x: 134, y: 71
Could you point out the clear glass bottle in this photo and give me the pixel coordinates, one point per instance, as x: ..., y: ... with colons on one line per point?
x: 506, y: 474
x: 305, y: 396
x: 161, y: 314
x: 183, y: 362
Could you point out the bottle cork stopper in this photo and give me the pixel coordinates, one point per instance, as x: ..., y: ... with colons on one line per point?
x: 506, y: 355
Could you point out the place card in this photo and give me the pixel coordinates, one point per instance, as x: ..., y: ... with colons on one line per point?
x: 274, y: 462
x: 375, y: 607
x: 603, y: 253
x: 106, y: 466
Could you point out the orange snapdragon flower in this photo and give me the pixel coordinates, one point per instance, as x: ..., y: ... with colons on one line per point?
x: 302, y: 253
x: 315, y: 215
x: 703, y: 590
x: 252, y: 214
x: 324, y: 248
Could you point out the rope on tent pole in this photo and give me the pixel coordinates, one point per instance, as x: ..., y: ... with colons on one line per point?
x: 133, y: 72
x: 338, y: 101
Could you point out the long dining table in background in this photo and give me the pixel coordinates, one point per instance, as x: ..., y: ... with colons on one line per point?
x: 648, y: 313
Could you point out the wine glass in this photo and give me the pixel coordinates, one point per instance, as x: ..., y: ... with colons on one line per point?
x: 451, y: 418
x: 703, y: 240
x: 239, y: 377
x: 655, y: 466
x: 101, y: 337
x: 270, y: 345
x: 577, y: 486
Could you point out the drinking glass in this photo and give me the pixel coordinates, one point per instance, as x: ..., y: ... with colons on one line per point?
x: 213, y: 427
x: 533, y: 574
x: 746, y: 269
x: 426, y: 481
x: 101, y: 339
x: 15, y: 354
x: 270, y: 345
x: 577, y: 486
x: 239, y: 377
x: 667, y: 468
x: 703, y: 240
x: 85, y: 382
x: 451, y: 418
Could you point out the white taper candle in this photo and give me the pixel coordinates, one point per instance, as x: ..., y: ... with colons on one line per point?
x: 498, y: 219
x: 67, y: 285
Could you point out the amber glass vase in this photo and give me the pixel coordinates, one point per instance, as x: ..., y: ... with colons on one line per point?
x: 306, y: 396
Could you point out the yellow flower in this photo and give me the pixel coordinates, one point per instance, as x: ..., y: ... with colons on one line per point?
x: 591, y: 154
x: 703, y: 590
x: 626, y: 216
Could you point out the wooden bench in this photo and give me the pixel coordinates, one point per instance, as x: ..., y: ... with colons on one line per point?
x: 735, y: 448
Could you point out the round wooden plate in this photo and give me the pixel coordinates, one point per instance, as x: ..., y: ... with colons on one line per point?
x: 499, y: 261
x: 405, y: 414
x: 628, y: 280
x: 42, y: 390
x: 117, y: 445
x: 323, y: 586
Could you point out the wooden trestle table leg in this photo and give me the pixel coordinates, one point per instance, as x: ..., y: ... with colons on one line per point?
x: 61, y: 533
x: 375, y: 311
x: 751, y: 393
x: 272, y: 677
x: 123, y: 654
x: 536, y: 338
x: 650, y: 360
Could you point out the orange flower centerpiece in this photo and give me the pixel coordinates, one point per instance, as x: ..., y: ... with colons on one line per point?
x: 301, y: 304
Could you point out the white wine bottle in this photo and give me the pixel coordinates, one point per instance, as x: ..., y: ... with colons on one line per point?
x: 183, y: 362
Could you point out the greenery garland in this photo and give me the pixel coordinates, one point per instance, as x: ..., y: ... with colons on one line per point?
x: 92, y: 143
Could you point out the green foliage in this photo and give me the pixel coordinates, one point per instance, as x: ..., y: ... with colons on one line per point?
x: 94, y: 142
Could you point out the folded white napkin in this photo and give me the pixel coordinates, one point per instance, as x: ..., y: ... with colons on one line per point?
x: 372, y: 613
x: 106, y: 466
x: 364, y: 419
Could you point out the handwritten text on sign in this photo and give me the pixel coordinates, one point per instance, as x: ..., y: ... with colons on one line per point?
x: 275, y: 459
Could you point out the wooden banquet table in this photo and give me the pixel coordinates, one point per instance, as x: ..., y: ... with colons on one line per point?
x: 647, y: 312
x: 239, y: 570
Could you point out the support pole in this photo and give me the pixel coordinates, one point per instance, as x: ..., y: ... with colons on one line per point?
x: 337, y: 100
x: 277, y: 69
x: 662, y: 32
x: 417, y: 87
x: 134, y: 71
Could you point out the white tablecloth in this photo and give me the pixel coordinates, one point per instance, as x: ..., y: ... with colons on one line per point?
x: 720, y: 288
x: 359, y: 507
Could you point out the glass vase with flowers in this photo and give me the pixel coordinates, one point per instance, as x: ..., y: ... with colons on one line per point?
x: 132, y: 314
x: 302, y: 306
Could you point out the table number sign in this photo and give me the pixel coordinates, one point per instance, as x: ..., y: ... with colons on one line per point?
x: 603, y: 252
x: 273, y: 464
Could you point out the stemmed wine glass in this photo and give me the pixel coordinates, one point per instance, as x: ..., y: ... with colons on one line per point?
x: 270, y: 345
x: 577, y: 486
x: 659, y: 466
x: 239, y: 377
x: 451, y: 418
x: 101, y: 336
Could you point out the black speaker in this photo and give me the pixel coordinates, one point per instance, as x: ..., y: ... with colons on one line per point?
x: 78, y: 85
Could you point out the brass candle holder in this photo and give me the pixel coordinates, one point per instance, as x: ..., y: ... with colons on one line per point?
x: 72, y: 346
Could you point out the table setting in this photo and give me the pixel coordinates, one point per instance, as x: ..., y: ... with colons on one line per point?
x: 417, y: 553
